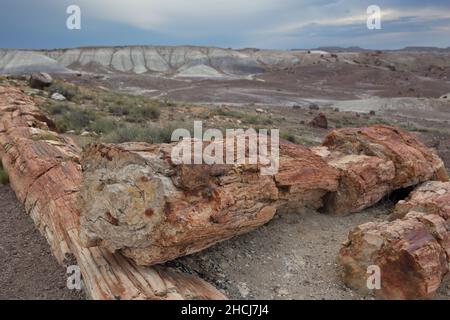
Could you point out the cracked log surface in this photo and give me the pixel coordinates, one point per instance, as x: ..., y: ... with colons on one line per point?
x: 375, y: 161
x: 134, y: 199
x: 413, y: 252
x: 45, y: 174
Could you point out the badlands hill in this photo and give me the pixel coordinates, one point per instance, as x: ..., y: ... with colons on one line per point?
x: 182, y: 61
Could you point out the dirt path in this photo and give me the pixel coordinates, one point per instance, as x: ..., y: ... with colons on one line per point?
x: 27, y: 268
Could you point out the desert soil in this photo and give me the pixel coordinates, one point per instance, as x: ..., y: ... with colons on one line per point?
x: 28, y: 268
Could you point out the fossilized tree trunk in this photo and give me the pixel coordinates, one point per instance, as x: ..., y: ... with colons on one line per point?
x: 135, y: 199
x: 45, y: 173
x: 375, y: 161
x: 413, y: 252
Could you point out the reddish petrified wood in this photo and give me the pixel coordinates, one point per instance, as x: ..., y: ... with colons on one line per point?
x: 375, y: 161
x: 413, y: 252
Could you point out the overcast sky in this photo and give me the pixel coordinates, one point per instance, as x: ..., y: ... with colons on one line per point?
x: 280, y: 24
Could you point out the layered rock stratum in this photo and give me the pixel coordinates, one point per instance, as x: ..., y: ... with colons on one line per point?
x: 181, y: 61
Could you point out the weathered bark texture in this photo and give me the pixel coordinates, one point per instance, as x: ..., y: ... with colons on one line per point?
x: 431, y: 197
x: 363, y: 181
x: 136, y: 200
x: 45, y: 173
x: 413, y: 252
x: 375, y: 161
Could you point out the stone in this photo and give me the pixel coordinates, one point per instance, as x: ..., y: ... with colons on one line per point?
x: 320, y: 121
x: 445, y: 97
x: 314, y: 106
x: 58, y: 97
x: 40, y: 80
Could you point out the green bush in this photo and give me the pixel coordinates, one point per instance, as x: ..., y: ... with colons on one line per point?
x: 71, y: 118
x: 137, y: 133
x: 57, y: 109
x: 141, y: 114
x: 289, y: 137
x: 103, y: 125
x: 119, y: 110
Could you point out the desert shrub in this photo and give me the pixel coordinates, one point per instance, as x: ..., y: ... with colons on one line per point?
x: 71, y: 118
x: 103, y: 125
x: 289, y: 137
x: 119, y: 110
x: 4, y: 178
x: 67, y: 90
x: 57, y: 108
x: 138, y: 133
x: 141, y: 114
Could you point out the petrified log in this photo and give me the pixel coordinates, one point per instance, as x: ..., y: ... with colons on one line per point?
x: 375, y: 161
x: 136, y: 200
x: 413, y: 252
x: 412, y: 261
x: 45, y: 174
x: 414, y: 162
x: 363, y: 181
x: 432, y: 197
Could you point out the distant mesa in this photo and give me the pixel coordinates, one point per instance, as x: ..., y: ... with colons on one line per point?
x: 181, y: 61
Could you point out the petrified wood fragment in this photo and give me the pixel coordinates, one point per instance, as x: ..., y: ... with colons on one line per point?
x: 413, y: 252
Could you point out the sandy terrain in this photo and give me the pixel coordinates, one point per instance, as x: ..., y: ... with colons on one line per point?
x: 28, y: 268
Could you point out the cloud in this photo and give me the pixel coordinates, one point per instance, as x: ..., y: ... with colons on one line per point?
x: 259, y: 23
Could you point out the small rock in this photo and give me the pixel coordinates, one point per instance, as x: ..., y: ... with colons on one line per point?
x: 58, y: 97
x: 243, y: 289
x: 260, y: 110
x: 282, y: 292
x: 314, y: 106
x: 40, y: 80
x: 320, y: 121
x: 296, y: 107
x: 445, y: 97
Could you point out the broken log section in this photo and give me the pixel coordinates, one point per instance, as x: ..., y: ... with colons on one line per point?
x: 45, y: 174
x: 375, y: 161
x: 413, y: 252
